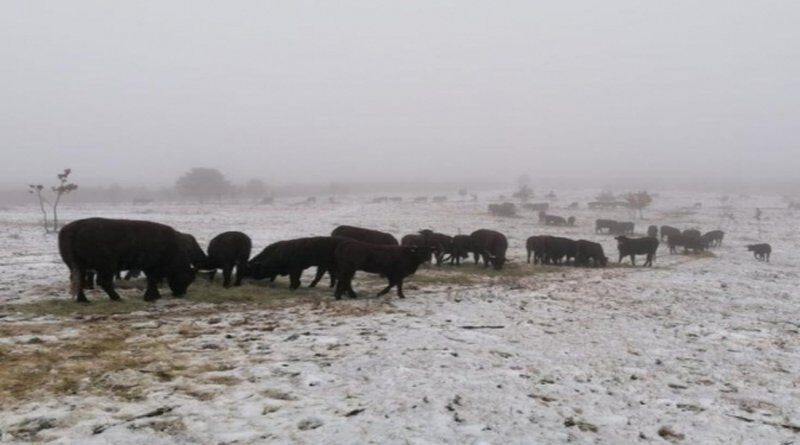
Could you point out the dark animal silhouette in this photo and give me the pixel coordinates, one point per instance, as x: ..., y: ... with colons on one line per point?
x: 109, y: 245
x: 674, y: 241
x: 637, y: 246
x: 292, y: 257
x: 713, y: 238
x: 761, y: 251
x: 536, y: 246
x: 393, y: 262
x: 368, y: 236
x: 652, y: 232
x: 491, y: 246
x: 604, y: 224
x: 571, y: 221
x: 666, y: 231
x: 226, y: 251
x: 623, y: 228
x: 536, y: 206
x: 588, y: 251
x: 692, y: 240
x: 462, y: 247
x: 506, y: 209
x: 558, y: 249
x: 425, y: 238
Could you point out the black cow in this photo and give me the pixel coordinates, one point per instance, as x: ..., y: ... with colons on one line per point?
x: 675, y: 240
x: 637, y: 246
x: 110, y: 245
x: 292, y: 257
x: 558, y: 248
x: 425, y: 238
x: 761, y: 251
x: 226, y: 251
x: 393, y: 262
x: 571, y: 221
x: 603, y: 224
x: 536, y: 246
x: 462, y: 247
x: 713, y: 238
x: 491, y: 246
x: 666, y: 231
x: 652, y: 232
x: 623, y: 228
x: 692, y: 240
x: 589, y: 251
x: 368, y: 236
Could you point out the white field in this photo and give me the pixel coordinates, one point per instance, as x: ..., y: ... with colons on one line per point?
x: 704, y: 349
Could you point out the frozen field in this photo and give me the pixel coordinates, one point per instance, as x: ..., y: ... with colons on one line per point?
x: 698, y: 349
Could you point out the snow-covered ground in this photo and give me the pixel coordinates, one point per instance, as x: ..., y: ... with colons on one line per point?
x: 698, y: 349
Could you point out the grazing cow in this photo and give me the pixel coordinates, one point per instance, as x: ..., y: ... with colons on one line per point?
x: 558, y: 249
x: 425, y: 238
x: 368, y: 236
x: 109, y: 245
x: 551, y: 220
x: 536, y: 246
x: 588, y: 250
x: 761, y: 251
x: 603, y: 224
x: 396, y: 199
x: 462, y: 247
x: 713, y: 238
x: 445, y: 244
x: 292, y: 257
x: 692, y: 240
x: 573, y: 206
x: 571, y: 221
x: 419, y: 199
x: 440, y: 199
x: 491, y: 246
x: 652, y: 231
x: 393, y: 262
x: 226, y: 251
x: 675, y: 240
x: 637, y: 246
x: 666, y: 231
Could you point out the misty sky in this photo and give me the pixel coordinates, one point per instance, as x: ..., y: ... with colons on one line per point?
x: 137, y: 92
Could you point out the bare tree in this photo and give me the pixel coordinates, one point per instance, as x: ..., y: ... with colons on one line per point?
x: 64, y: 187
x: 638, y: 201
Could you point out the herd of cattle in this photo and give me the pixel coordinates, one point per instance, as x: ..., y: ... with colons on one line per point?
x: 105, y: 247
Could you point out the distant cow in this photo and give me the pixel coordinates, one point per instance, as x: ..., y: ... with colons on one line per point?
x: 558, y: 248
x: 623, y: 228
x: 420, y: 199
x: 652, y: 231
x: 536, y: 246
x: 491, y: 246
x: 365, y: 235
x: 587, y: 251
x: 396, y: 199
x: 573, y: 206
x: 571, y: 221
x: 604, y: 224
x: 637, y: 246
x: 439, y: 199
x: 713, y: 238
x: 552, y: 220
x: 226, y: 251
x: 666, y: 231
x: 109, y: 245
x: 393, y: 262
x: 462, y: 247
x: 674, y: 241
x: 292, y: 257
x: 761, y: 252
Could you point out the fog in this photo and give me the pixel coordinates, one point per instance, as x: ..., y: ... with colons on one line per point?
x: 136, y: 93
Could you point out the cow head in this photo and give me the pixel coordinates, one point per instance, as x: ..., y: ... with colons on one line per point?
x: 179, y: 282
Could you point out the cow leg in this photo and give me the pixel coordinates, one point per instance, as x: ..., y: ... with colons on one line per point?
x: 239, y: 266
x: 529, y: 257
x: 105, y: 280
x: 87, y: 280
x: 294, y: 279
x: 400, y: 289
x: 649, y: 261
x: 151, y: 293
x: 226, y: 275
x: 211, y: 275
x: 318, y: 276
x: 633, y: 260
x: 80, y: 276
x: 476, y: 255
x: 387, y: 288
